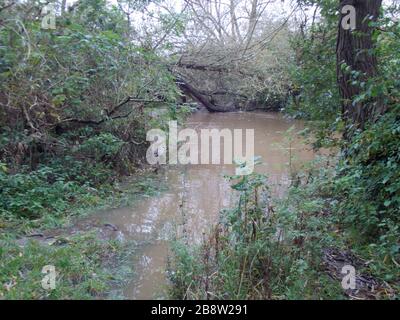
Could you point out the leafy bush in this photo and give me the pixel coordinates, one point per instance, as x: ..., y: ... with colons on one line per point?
x: 68, y: 127
x: 369, y: 183
x: 101, y: 146
x: 41, y: 192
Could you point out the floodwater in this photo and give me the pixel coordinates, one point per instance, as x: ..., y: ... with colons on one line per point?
x: 196, y: 193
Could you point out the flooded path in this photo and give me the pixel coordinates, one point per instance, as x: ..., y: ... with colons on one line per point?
x: 196, y: 194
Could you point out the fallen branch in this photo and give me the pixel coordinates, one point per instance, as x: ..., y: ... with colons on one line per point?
x: 201, y: 98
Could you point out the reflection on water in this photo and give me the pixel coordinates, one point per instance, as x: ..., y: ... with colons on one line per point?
x: 197, y: 193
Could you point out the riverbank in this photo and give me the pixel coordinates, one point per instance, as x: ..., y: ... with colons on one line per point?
x: 196, y: 194
x: 188, y: 207
x: 276, y: 234
x: 89, y: 259
x: 293, y: 247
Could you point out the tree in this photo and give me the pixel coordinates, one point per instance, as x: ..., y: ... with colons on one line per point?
x: 356, y: 63
x: 234, y: 53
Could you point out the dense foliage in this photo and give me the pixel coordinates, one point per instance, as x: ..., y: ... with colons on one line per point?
x: 74, y: 104
x: 349, y: 211
x: 366, y: 184
x: 76, y: 101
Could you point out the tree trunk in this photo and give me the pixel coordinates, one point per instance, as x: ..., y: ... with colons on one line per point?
x: 355, y: 49
x: 201, y: 98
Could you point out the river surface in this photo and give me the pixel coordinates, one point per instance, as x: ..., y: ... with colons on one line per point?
x: 196, y: 193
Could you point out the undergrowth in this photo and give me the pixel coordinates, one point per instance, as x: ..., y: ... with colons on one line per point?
x: 264, y: 249
x: 82, y: 264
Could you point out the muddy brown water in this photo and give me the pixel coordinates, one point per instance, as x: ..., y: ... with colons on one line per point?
x: 196, y: 194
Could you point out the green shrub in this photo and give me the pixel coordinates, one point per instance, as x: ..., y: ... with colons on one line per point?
x: 368, y: 183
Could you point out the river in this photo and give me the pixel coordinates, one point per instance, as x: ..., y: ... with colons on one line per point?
x: 196, y: 193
